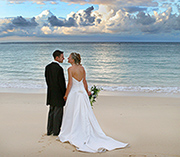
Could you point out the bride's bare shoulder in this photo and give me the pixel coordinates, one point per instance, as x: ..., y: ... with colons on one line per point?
x: 70, y: 68
x: 81, y: 66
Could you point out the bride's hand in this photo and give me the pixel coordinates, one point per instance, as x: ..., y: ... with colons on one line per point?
x: 89, y: 93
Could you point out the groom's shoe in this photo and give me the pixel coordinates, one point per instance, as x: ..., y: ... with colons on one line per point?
x: 49, y: 133
x: 56, y: 134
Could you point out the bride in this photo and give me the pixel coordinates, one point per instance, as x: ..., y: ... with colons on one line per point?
x: 79, y: 126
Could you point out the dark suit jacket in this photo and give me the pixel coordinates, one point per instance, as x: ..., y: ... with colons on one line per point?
x: 56, y: 86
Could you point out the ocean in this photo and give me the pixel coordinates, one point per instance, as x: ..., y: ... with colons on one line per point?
x: 126, y: 66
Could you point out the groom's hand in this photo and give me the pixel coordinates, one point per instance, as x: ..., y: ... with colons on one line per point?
x: 65, y: 98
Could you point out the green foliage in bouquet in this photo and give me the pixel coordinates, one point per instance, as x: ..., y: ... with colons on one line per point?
x: 94, y: 94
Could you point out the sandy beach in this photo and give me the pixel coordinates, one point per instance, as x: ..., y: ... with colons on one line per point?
x: 150, y: 124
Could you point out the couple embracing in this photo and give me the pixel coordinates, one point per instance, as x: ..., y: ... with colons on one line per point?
x: 78, y: 124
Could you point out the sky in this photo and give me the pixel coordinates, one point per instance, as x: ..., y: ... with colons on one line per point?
x: 90, y: 20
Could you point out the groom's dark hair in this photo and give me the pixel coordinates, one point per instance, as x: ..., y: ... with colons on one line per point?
x: 57, y: 53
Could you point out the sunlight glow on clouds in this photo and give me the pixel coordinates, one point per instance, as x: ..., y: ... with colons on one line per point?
x: 112, y: 17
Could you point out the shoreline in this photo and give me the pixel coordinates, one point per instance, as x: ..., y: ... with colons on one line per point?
x: 149, y: 124
x: 102, y: 93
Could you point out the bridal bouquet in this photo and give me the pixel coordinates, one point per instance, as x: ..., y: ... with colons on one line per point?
x: 94, y: 94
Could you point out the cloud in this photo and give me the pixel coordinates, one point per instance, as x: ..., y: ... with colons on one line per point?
x: 118, y: 3
x: 54, y: 21
x: 22, y: 22
x: 134, y: 9
x: 53, y: 2
x: 5, y: 25
x: 112, y: 18
x: 81, y: 18
x: 144, y: 19
x: 18, y: 25
x: 41, y: 2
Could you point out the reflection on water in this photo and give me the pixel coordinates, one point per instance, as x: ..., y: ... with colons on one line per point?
x: 125, y: 65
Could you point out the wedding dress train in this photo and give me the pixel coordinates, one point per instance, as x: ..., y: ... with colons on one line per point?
x: 80, y: 127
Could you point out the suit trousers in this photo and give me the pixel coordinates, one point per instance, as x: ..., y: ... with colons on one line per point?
x: 54, y: 120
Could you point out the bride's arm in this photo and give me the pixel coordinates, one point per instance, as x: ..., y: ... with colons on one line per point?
x: 85, y: 84
x: 69, y: 83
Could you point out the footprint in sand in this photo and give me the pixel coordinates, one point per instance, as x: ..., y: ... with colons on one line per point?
x: 137, y: 155
x: 42, y: 138
x: 45, y: 144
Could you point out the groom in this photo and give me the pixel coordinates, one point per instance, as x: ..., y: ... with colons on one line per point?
x: 56, y: 88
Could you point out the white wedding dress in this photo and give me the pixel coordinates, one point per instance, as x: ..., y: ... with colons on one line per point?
x: 80, y: 127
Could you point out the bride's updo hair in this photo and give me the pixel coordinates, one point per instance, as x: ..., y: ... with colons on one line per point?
x: 76, y: 57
